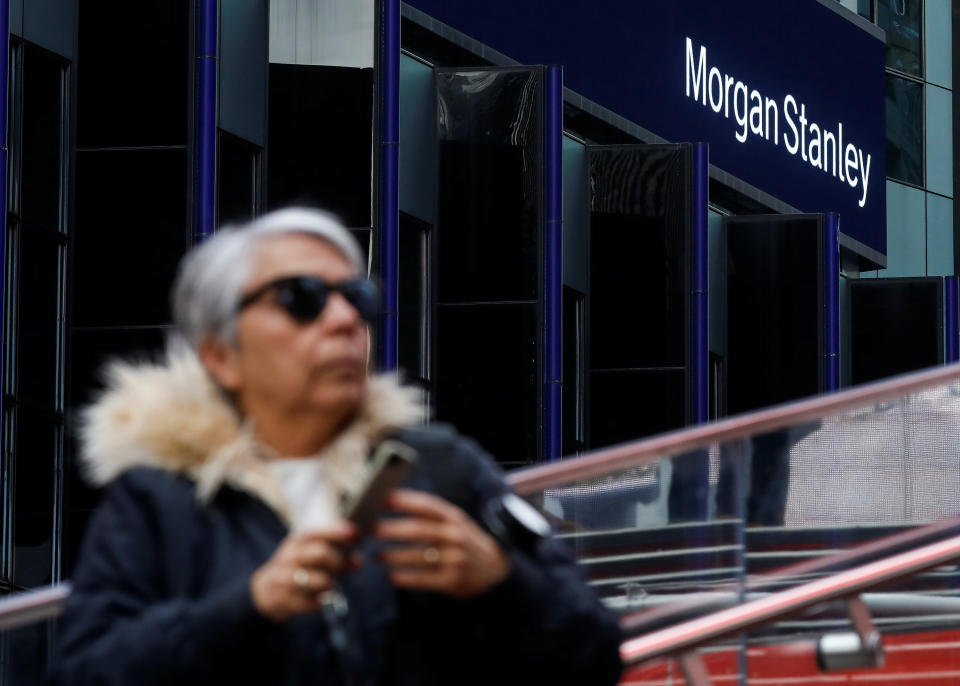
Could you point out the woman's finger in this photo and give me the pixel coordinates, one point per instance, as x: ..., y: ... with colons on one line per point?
x: 421, y: 504
x: 411, y: 529
x: 320, y: 554
x: 427, y: 556
x: 309, y: 582
x: 343, y: 532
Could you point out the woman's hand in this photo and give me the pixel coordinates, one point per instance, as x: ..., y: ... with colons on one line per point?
x: 442, y: 549
x: 300, y: 570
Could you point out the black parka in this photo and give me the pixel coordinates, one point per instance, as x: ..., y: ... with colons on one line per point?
x: 161, y: 596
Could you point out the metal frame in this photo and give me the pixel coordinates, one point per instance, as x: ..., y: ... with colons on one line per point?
x: 388, y: 202
x: 699, y: 358
x: 553, y: 263
x: 6, y: 483
x: 951, y: 319
x: 205, y: 136
x: 831, y: 302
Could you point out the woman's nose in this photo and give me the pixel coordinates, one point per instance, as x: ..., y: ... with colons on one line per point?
x: 339, y: 312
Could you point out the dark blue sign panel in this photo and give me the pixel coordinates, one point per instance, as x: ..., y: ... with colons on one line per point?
x: 790, y: 99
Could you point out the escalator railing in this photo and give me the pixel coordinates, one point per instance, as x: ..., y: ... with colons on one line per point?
x: 744, y: 539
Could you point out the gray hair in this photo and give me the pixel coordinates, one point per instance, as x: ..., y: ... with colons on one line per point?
x: 212, y: 275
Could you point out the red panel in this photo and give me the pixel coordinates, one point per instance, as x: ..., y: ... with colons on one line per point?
x: 925, y: 659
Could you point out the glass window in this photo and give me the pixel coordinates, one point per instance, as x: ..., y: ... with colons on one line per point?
x: 39, y: 317
x: 637, y: 301
x: 489, y: 130
x: 133, y: 73
x: 43, y: 138
x: 774, y: 310
x: 906, y: 255
x: 34, y: 259
x: 130, y: 204
x: 36, y: 455
x: 486, y: 378
x: 939, y: 135
x: 319, y: 139
x: 938, y: 22
x: 625, y: 405
x: 902, y: 20
x: 239, y: 185
x: 939, y: 236
x: 904, y: 130
x: 896, y: 326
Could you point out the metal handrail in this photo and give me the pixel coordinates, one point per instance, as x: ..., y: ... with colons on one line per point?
x: 649, y: 450
x: 691, y: 635
x: 32, y: 606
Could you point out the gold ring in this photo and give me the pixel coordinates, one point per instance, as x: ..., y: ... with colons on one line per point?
x: 431, y: 555
x: 301, y: 577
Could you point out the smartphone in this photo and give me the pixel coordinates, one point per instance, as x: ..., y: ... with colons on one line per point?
x: 389, y: 466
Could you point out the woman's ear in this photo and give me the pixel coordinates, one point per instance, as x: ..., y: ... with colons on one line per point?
x: 222, y: 361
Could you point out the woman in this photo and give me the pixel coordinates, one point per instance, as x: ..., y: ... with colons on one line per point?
x: 219, y: 552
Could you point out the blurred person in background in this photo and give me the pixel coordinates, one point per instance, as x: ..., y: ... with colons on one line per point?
x: 219, y: 554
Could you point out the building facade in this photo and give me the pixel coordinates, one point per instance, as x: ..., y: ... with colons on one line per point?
x: 558, y: 276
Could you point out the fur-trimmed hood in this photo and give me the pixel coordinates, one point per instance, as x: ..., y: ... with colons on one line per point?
x: 170, y: 415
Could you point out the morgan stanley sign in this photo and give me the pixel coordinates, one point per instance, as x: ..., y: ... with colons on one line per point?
x: 791, y: 101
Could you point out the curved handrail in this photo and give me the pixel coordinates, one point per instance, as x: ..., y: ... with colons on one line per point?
x: 32, y: 606
x: 648, y: 450
x: 690, y: 635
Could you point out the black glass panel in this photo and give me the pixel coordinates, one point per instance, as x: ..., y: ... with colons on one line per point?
x: 626, y: 405
x: 411, y: 294
x: 236, y: 194
x: 133, y: 73
x: 638, y: 234
x: 489, y: 133
x: 486, y: 376
x: 42, y: 154
x: 38, y: 437
x: 903, y: 22
x: 92, y: 349
x: 131, y: 232
x: 38, y: 320
x: 320, y: 136
x: 904, y: 130
x: 774, y: 310
x: 895, y: 327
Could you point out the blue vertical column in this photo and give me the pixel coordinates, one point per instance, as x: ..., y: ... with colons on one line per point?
x: 699, y: 367
x: 553, y: 264
x: 951, y: 320
x: 389, y: 220
x: 831, y: 302
x: 205, y: 131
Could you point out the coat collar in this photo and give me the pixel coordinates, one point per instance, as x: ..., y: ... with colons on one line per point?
x: 170, y: 415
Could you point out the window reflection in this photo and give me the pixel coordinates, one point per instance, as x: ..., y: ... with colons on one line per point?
x: 904, y: 130
x: 901, y: 19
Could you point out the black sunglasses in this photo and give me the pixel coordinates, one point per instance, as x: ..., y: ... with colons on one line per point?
x: 304, y: 297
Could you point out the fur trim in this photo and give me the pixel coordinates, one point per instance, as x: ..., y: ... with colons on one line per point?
x: 170, y: 415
